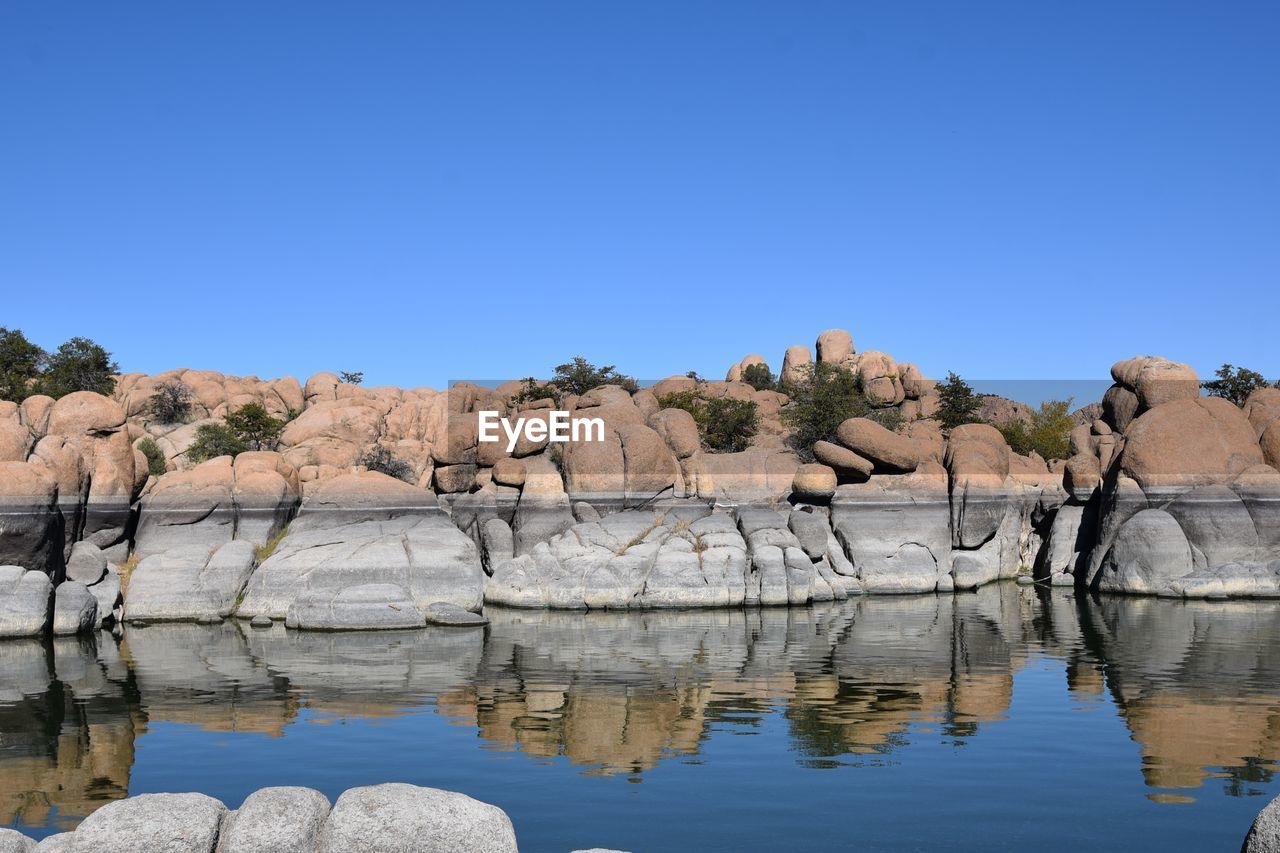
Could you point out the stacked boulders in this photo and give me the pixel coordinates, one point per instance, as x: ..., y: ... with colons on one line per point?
x: 1171, y: 493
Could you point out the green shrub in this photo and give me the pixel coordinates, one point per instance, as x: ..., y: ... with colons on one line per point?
x: 155, y: 456
x: 171, y: 403
x: 254, y: 426
x: 957, y: 403
x: 351, y: 377
x: 724, y: 425
x: 382, y: 460
x: 1048, y: 433
x: 214, y: 440
x: 533, y: 390
x: 579, y: 376
x: 1235, y: 383
x: 78, y: 365
x: 20, y: 362
x: 823, y: 398
x: 759, y: 377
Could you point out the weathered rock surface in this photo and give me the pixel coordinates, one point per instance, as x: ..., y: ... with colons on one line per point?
x: 1264, y: 835
x: 398, y: 817
x: 1187, y: 443
x: 26, y: 602
x: 75, y: 610
x: 365, y: 551
x: 153, y: 823
x: 1150, y: 551
x: 888, y: 451
x: 187, y: 584
x: 31, y: 533
x: 275, y: 820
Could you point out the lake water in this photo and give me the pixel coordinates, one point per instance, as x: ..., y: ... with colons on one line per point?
x: 1006, y: 719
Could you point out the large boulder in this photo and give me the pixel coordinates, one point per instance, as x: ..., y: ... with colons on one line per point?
x: 153, y: 823
x: 362, y: 543
x: 275, y: 820
x: 32, y: 532
x: 94, y: 426
x: 1187, y: 443
x: 1156, y: 380
x: 895, y: 529
x: 75, y: 610
x: 1150, y: 551
x: 189, y: 584
x: 978, y: 460
x: 753, y: 475
x: 408, y: 818
x: 890, y: 452
x: 26, y: 602
x: 835, y: 346
x: 1264, y: 835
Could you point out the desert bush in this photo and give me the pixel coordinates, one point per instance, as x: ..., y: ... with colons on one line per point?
x: 171, y: 403
x: 579, y: 376
x: 1235, y: 383
x: 78, y: 365
x: 1048, y: 433
x: 383, y: 461
x: 957, y: 403
x: 214, y: 440
x: 533, y: 390
x: 724, y: 425
x: 20, y: 363
x: 351, y: 377
x: 823, y: 398
x: 156, y: 465
x: 254, y: 426
x: 759, y: 377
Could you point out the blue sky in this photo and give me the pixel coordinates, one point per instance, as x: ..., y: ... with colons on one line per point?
x: 430, y: 191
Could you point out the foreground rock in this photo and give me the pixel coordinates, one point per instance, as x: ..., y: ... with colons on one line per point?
x: 390, y: 818
x: 26, y: 602
x: 1264, y: 835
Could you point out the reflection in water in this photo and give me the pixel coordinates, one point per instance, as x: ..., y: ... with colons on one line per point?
x: 1197, y: 684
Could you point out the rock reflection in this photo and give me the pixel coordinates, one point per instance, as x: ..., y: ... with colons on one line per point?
x: 1195, y: 682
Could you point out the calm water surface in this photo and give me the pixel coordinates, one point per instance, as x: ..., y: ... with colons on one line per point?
x: 1007, y: 719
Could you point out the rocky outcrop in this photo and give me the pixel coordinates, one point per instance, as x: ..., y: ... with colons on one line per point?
x: 365, y: 552
x: 679, y: 555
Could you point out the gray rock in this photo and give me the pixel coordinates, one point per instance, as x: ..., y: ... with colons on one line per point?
x: 26, y: 602
x: 187, y: 584
x: 1149, y: 551
x: 260, y: 622
x: 443, y: 613
x: 346, y: 548
x: 87, y: 563
x: 62, y: 842
x: 33, y: 528
x: 1264, y: 835
x: 1218, y: 527
x: 153, y: 823
x: 399, y: 818
x: 895, y: 530
x: 497, y: 541
x: 811, y: 529
x: 12, y: 841
x: 275, y: 820
x: 75, y: 610
x: 366, y: 607
x: 107, y: 593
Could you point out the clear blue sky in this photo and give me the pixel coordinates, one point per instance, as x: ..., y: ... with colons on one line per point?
x: 431, y: 191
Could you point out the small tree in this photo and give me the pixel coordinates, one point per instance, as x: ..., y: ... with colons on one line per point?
x: 351, y: 377
x: 1235, y: 383
x: 957, y: 403
x: 171, y: 403
x: 20, y: 362
x: 823, y: 398
x: 759, y: 377
x: 383, y: 461
x: 214, y: 440
x: 724, y: 425
x: 1048, y: 433
x: 254, y: 426
x: 156, y: 465
x: 580, y: 376
x: 533, y: 390
x: 79, y: 365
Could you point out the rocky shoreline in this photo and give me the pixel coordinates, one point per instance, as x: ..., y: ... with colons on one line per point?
x: 1165, y: 493
x: 387, y: 818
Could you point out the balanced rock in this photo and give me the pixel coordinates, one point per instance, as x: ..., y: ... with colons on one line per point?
x: 814, y: 482
x: 886, y: 449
